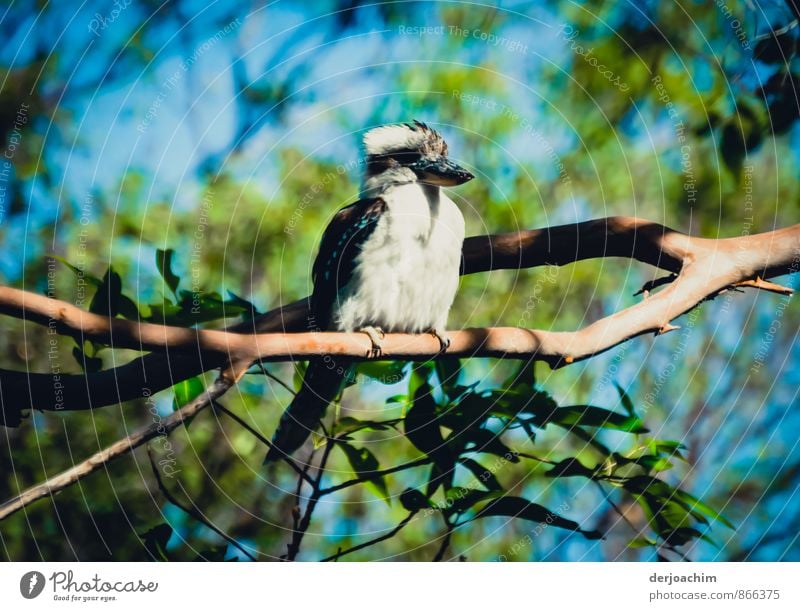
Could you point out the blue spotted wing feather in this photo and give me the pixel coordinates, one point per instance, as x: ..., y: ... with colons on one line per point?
x: 333, y: 268
x: 341, y: 245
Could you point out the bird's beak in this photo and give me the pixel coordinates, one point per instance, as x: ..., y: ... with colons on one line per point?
x: 440, y: 171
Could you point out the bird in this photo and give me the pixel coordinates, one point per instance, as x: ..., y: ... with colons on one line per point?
x: 387, y: 263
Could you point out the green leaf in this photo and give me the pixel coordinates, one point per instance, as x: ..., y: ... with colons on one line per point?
x: 155, y: 540
x: 589, y: 415
x: 347, y: 425
x: 516, y: 507
x: 236, y: 302
x: 185, y: 391
x: 699, y: 508
x: 627, y: 402
x: 571, y: 467
x: 385, y: 372
x: 93, y: 280
x: 106, y: 298
x: 640, y: 542
x: 164, y: 265
x: 420, y: 375
x: 364, y: 465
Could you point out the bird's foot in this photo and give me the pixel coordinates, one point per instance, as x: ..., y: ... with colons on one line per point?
x: 441, y: 335
x: 376, y: 336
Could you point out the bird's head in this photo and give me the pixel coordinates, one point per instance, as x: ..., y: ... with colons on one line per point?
x: 409, y: 152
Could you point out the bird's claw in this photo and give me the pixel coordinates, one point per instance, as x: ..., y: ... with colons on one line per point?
x: 444, y: 341
x: 376, y: 336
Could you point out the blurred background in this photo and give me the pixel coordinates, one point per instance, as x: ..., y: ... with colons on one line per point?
x: 230, y: 132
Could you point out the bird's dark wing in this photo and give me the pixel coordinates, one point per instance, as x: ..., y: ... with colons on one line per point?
x: 341, y: 244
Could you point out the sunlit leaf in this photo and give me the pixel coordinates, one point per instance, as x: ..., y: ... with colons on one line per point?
x: 364, y: 465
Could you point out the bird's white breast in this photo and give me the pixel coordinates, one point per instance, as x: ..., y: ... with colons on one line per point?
x: 407, y: 274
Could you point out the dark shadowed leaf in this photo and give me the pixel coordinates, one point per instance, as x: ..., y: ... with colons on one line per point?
x: 106, y: 299
x: 414, y: 500
x: 155, y: 541
x: 484, y: 475
x: 588, y: 415
x: 484, y: 441
x: 625, y: 399
x: 422, y: 430
x: 90, y: 364
x: 448, y: 370
x: 516, y: 507
x: 346, y: 425
x: 570, y: 467
x: 164, y: 265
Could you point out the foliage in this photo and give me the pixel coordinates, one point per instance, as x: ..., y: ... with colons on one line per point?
x: 253, y: 153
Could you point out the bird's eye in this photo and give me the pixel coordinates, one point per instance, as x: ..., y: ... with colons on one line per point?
x: 407, y: 157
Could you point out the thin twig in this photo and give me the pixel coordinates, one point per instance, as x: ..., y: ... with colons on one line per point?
x: 119, y: 448
x: 192, y: 511
x: 445, y: 542
x: 263, y: 440
x: 299, y: 532
x: 339, y: 553
x: 275, y: 378
x: 374, y: 475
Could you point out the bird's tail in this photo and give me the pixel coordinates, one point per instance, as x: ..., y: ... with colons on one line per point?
x: 322, y: 382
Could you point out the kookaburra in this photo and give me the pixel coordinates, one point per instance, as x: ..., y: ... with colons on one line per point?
x: 387, y: 263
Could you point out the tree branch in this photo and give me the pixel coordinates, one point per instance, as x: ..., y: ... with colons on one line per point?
x: 704, y: 269
x: 388, y: 535
x: 192, y: 511
x: 67, y: 478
